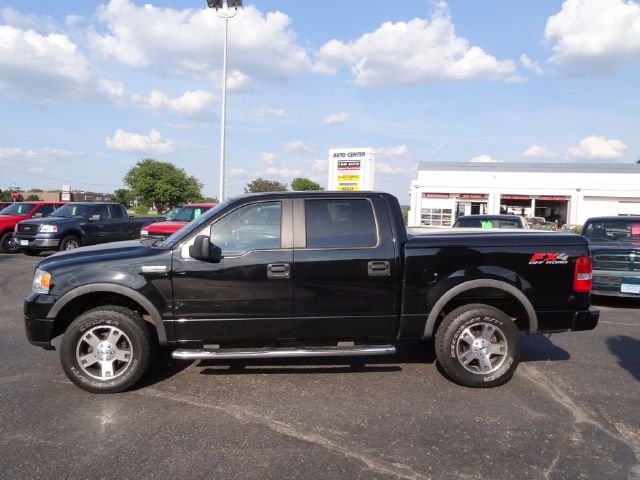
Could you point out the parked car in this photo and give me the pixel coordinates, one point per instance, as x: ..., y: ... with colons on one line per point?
x: 615, y: 246
x: 295, y: 274
x: 16, y: 212
x: 79, y: 223
x: 490, y: 221
x: 184, y: 215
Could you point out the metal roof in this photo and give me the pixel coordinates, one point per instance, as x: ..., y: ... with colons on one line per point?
x: 531, y: 167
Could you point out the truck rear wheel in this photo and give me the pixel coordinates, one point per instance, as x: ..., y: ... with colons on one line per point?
x: 69, y: 243
x: 478, y: 346
x: 106, y: 350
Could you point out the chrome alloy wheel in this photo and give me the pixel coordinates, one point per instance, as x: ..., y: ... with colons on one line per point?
x: 72, y: 244
x: 481, y: 348
x: 104, y: 352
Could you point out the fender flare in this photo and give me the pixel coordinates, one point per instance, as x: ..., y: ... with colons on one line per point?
x: 465, y: 286
x: 156, y: 319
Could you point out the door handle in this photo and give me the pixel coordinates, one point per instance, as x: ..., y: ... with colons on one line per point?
x: 379, y: 268
x: 278, y: 271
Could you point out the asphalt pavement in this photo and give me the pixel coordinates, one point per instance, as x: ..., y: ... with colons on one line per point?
x: 571, y: 411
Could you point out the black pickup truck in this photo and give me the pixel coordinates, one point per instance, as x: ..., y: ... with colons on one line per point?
x: 308, y: 274
x: 77, y: 224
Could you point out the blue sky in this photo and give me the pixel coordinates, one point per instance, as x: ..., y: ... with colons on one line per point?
x: 88, y: 88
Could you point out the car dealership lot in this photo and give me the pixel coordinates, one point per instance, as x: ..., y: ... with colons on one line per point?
x: 570, y: 412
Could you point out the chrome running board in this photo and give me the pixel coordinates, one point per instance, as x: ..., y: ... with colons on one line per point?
x: 283, y: 352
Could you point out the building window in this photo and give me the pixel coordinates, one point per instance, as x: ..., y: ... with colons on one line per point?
x: 436, y: 217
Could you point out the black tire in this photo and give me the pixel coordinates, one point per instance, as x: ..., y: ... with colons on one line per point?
x: 6, y: 243
x: 478, y: 346
x: 108, y: 335
x: 70, y: 242
x: 30, y: 252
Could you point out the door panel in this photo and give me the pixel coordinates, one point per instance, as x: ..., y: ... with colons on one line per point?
x: 340, y: 290
x: 239, y: 299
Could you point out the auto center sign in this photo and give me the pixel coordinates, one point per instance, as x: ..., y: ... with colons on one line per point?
x: 351, y: 169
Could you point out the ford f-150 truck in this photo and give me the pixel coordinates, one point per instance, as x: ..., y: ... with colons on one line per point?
x: 77, y: 224
x: 17, y: 212
x: 162, y: 230
x: 293, y: 274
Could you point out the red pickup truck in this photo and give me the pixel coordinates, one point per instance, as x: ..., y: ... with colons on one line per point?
x: 16, y: 212
x: 184, y: 215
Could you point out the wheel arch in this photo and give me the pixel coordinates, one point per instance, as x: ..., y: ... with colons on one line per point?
x: 455, y: 295
x: 86, y: 297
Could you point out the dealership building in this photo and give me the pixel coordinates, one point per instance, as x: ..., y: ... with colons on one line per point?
x: 561, y: 192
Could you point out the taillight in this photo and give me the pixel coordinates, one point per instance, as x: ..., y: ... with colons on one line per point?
x: 583, y: 277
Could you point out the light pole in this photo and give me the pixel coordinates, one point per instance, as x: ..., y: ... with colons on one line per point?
x: 225, y: 14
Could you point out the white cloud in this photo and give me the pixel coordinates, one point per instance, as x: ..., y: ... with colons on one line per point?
x: 283, y: 172
x: 42, y: 65
x: 236, y: 81
x: 36, y: 170
x: 336, y: 118
x: 190, y: 103
x: 13, y: 17
x: 598, y: 148
x: 594, y: 36
x: 398, y: 151
x: 135, y: 143
x: 382, y: 167
x: 531, y: 65
x: 39, y: 155
x: 297, y: 146
x: 237, y: 172
x: 415, y: 52
x: 268, y: 158
x: 112, y: 89
x: 270, y: 112
x: 184, y: 42
x: 483, y: 159
x: 319, y: 165
x: 537, y: 151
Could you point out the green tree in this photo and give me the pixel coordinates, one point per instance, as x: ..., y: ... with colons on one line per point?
x: 33, y: 198
x: 162, y: 184
x: 260, y: 185
x: 302, y: 184
x: 211, y: 200
x: 5, y: 196
x: 123, y: 196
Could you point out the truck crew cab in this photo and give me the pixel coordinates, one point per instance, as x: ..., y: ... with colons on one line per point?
x: 292, y: 274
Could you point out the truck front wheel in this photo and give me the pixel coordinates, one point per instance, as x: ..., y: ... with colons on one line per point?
x: 478, y: 346
x: 106, y: 350
x: 7, y: 244
x: 69, y: 243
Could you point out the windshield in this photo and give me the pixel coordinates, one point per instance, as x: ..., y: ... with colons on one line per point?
x: 186, y: 214
x: 187, y: 230
x: 72, y: 211
x: 17, y: 209
x: 613, y: 230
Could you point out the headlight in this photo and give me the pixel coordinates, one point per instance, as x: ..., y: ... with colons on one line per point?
x: 48, y: 228
x: 41, y: 281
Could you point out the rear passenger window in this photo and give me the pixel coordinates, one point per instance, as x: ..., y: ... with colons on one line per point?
x: 340, y: 224
x: 46, y: 210
x: 116, y: 211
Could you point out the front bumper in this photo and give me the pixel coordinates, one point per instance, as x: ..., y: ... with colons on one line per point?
x: 39, y: 328
x: 38, y: 243
x: 610, y: 282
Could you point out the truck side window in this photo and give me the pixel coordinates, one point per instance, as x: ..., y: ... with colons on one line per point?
x: 102, y: 210
x: 252, y: 227
x: 345, y: 223
x: 45, y: 210
x: 116, y: 211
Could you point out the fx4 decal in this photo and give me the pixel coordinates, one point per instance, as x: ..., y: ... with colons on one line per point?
x: 549, y: 259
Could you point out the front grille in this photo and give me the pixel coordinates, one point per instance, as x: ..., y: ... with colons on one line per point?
x: 607, y: 280
x: 28, y: 229
x: 624, y: 261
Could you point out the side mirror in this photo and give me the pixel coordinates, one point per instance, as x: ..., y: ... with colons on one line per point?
x: 203, y: 249
x: 95, y: 218
x: 38, y: 215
